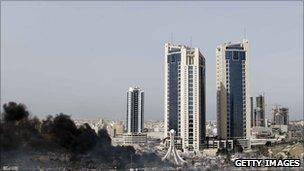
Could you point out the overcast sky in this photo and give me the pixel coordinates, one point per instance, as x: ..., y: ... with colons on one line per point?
x: 79, y: 58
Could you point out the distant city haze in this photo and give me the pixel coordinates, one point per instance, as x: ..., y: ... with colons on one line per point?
x: 80, y: 58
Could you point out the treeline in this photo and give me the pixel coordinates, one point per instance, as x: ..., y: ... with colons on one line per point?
x: 21, y: 131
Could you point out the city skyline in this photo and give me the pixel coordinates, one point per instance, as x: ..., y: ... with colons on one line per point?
x: 75, y: 78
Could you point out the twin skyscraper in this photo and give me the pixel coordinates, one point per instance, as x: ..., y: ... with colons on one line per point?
x: 185, y: 93
x: 185, y: 96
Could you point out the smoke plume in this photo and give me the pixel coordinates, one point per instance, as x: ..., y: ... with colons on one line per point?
x: 59, y: 142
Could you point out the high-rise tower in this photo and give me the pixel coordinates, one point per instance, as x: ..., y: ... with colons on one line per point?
x: 260, y: 111
x: 233, y: 99
x: 280, y: 115
x: 135, y: 110
x: 185, y: 103
x: 252, y: 113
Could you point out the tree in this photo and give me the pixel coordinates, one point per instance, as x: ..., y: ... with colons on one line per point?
x: 46, y: 126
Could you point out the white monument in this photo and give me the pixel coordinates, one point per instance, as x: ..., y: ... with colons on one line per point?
x: 172, y: 154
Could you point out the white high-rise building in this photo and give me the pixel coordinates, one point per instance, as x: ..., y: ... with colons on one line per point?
x: 185, y: 103
x: 233, y: 98
x: 135, y: 110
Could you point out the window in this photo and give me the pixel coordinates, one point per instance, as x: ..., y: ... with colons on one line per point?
x: 235, y: 56
x: 172, y: 59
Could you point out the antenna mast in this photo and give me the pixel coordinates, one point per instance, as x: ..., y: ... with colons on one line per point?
x: 245, y: 33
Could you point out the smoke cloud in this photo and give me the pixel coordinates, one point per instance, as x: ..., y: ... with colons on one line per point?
x: 59, y: 142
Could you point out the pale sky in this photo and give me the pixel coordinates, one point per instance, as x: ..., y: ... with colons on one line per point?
x: 79, y: 57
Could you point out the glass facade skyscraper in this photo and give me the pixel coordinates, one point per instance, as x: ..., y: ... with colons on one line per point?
x: 233, y: 99
x: 185, y: 103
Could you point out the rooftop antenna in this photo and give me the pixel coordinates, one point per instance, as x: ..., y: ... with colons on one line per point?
x: 190, y: 41
x: 171, y: 38
x: 245, y: 33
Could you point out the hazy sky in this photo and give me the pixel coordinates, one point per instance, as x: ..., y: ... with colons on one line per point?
x: 79, y: 58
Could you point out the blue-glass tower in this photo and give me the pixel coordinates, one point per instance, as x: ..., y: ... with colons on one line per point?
x: 185, y: 104
x: 233, y: 100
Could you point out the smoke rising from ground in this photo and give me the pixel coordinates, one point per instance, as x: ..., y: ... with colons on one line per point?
x: 59, y: 140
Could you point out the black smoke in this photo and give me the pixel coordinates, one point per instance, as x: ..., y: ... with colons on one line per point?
x: 18, y: 129
x: 55, y: 136
x: 14, y: 112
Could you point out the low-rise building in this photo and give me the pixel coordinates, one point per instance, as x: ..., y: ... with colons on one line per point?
x: 134, y: 138
x: 261, y: 132
x: 220, y: 144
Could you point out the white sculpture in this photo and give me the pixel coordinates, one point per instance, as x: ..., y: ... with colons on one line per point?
x: 172, y: 154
